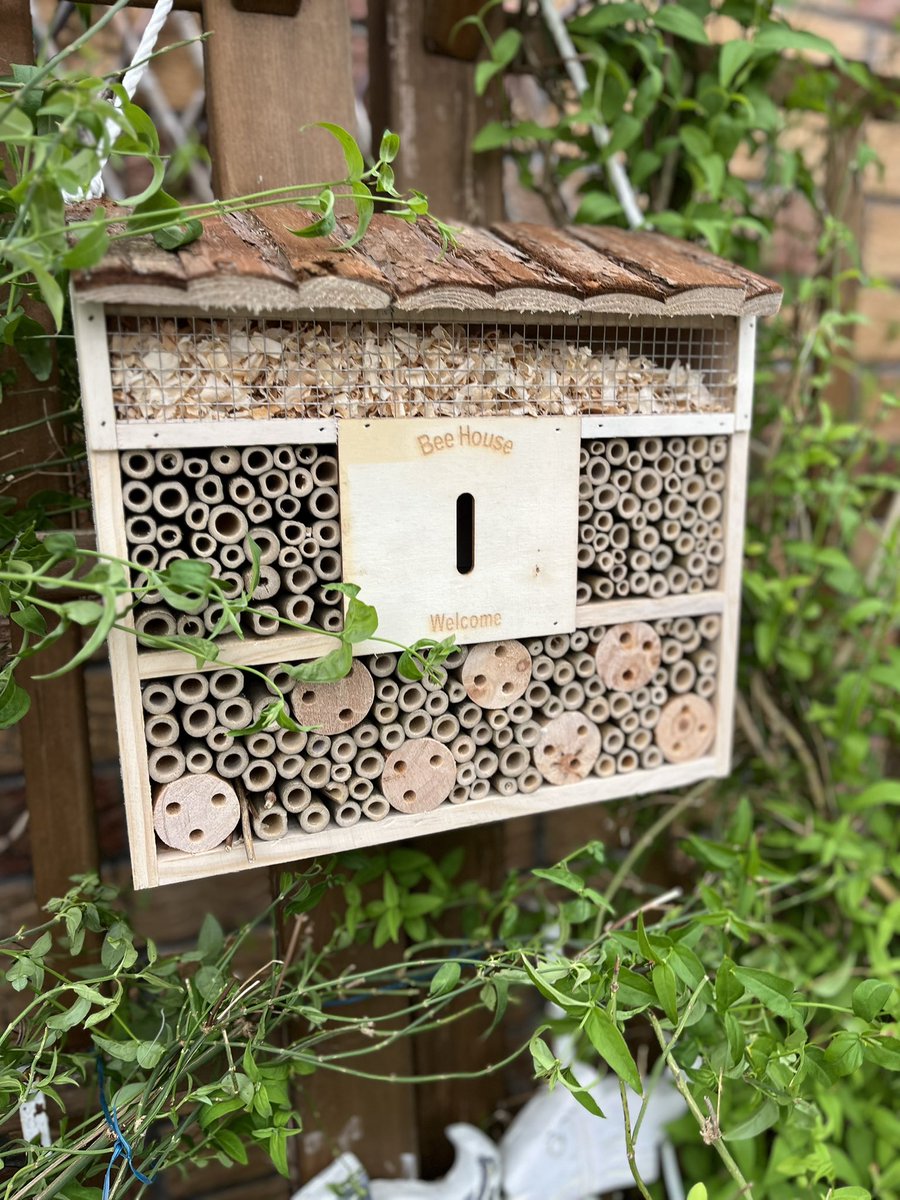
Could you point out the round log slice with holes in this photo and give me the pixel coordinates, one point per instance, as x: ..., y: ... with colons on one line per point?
x: 567, y: 749
x: 686, y: 728
x: 418, y: 776
x: 495, y: 674
x: 628, y: 656
x: 195, y: 813
x: 335, y: 707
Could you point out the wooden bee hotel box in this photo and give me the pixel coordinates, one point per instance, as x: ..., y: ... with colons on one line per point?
x: 535, y: 442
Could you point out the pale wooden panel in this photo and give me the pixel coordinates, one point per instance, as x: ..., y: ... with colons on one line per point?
x: 400, y: 480
x: 881, y: 250
x: 735, y: 516
x: 879, y: 339
x: 106, y: 483
x: 882, y: 137
x: 159, y: 435
x: 400, y: 827
x: 93, y: 369
x: 617, y: 612
x: 657, y: 425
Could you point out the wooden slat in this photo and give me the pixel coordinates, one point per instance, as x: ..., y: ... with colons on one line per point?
x: 589, y: 273
x: 267, y: 77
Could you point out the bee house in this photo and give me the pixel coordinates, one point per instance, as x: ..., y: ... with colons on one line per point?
x: 535, y: 443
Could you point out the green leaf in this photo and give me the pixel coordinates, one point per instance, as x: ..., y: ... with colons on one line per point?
x: 72, y: 1016
x: 149, y: 1054
x: 606, y: 1039
x: 871, y: 997
x: 886, y: 791
x: 231, y: 1145
x: 542, y: 1056
x: 682, y: 22
x: 759, y: 1121
x: 353, y: 158
x: 125, y: 1051
x: 335, y: 665
x: 36, y: 347
x: 774, y: 993
x: 580, y: 1092
x: 326, y: 223
x: 14, y: 701
x: 390, y: 145
x: 209, y: 982
x: 664, y: 982
x: 733, y: 56
x: 365, y: 207
x: 92, y: 244
x: 844, y: 1053
x: 211, y: 939
x: 606, y: 16
x: 597, y: 207
x: 445, y: 979
x: 83, y: 612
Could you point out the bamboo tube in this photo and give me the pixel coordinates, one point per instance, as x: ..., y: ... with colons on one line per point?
x: 264, y: 621
x: 665, y: 464
x: 259, y: 511
x: 347, y: 814
x: 686, y: 728
x: 481, y: 733
x: 376, y: 808
x: 225, y: 460
x: 289, y: 557
x: 626, y: 762
x: 365, y: 735
x: 291, y: 533
x: 359, y: 788
x: 651, y: 758
x: 479, y: 789
x: 169, y: 462
x: 640, y: 698
x: 597, y: 471
x: 195, y: 813
x: 465, y: 773
x: 505, y: 785
x: 156, y: 622
x: 436, y: 703
x: 572, y: 696
x: 629, y: 723
x: 227, y: 524
x: 613, y: 739
x: 385, y: 712
x: 170, y: 499
x: 445, y: 727
x: 710, y: 626
x: 639, y: 560
x: 527, y: 734
x: 567, y: 748
x: 382, y: 665
x: 416, y: 724
x: 553, y: 707
x: 287, y: 507
x: 639, y: 739
x: 196, y: 515
x: 288, y: 766
x: 418, y: 776
x: 273, y: 484
x: 497, y: 718
x: 299, y: 579
x: 459, y: 794
x: 191, y: 689
x: 315, y: 772
x: 146, y: 556
x: 628, y: 506
x: 161, y: 729
x: 677, y: 579
x: 455, y: 689
x: 485, y: 763
x: 605, y: 497
x: 297, y: 608
x: 541, y: 670
x: 219, y: 739
x: 369, y: 764
x: 343, y: 748
x: 682, y: 676
x: 616, y: 450
x: 711, y: 576
x: 140, y: 528
x: 234, y: 712
x: 165, y: 764
x: 593, y: 687
x: 529, y: 781
x: 323, y: 503
x: 315, y: 817
x: 556, y: 645
x: 463, y: 748
x: 327, y: 534
x: 284, y: 457
x: 260, y: 745
x: 674, y: 506
x: 584, y: 488
x: 325, y: 471
x: 300, y: 482
x: 203, y: 544
x: 621, y: 480
x: 266, y: 542
x: 706, y: 687
x: 520, y: 710
x: 212, y: 614
x: 293, y: 794
x: 169, y: 536
x: 327, y: 565
x: 268, y: 585
x: 597, y: 709
x: 336, y: 792
x: 502, y: 738
x: 563, y: 672
x: 198, y: 719
x: 621, y: 587
x: 411, y: 696
x: 269, y: 824
x: 619, y: 704
x: 225, y: 683
x: 468, y: 714
x: 195, y: 467
x: 256, y: 460
x: 513, y: 761
x: 198, y: 759
x: 640, y: 583
x: 189, y: 625
x: 605, y: 766
x: 658, y: 586
x: 638, y: 521
x: 137, y: 464
x: 209, y: 491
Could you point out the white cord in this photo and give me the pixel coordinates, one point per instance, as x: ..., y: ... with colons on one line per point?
x: 130, y: 82
x: 618, y: 176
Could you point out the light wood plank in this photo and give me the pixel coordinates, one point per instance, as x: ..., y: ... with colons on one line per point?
x: 174, y: 867
x: 657, y: 425
x: 158, y: 435
x: 617, y: 612
x: 89, y: 321
x: 106, y: 484
x: 735, y: 517
x: 746, y: 369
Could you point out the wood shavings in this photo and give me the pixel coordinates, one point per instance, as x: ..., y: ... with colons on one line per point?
x: 192, y: 368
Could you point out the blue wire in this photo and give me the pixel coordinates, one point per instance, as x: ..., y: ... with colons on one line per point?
x: 121, y: 1148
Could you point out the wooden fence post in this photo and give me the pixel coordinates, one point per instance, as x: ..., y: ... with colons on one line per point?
x: 55, y: 747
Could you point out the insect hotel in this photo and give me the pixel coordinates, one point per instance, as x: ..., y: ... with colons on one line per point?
x: 536, y: 443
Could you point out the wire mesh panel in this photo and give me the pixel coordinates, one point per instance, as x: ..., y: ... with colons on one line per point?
x: 188, y: 368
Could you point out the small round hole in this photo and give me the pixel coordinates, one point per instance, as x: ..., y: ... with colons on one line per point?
x: 435, y: 760
x: 196, y: 835
x: 308, y: 697
x: 551, y: 749
x: 479, y: 680
x: 173, y: 808
x: 506, y: 688
x: 409, y: 796
x: 582, y: 730
x: 625, y: 638
x: 218, y: 798
x: 500, y: 650
x: 400, y: 767
x: 346, y: 714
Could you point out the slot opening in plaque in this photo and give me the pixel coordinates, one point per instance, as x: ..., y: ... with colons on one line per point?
x: 465, y: 533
